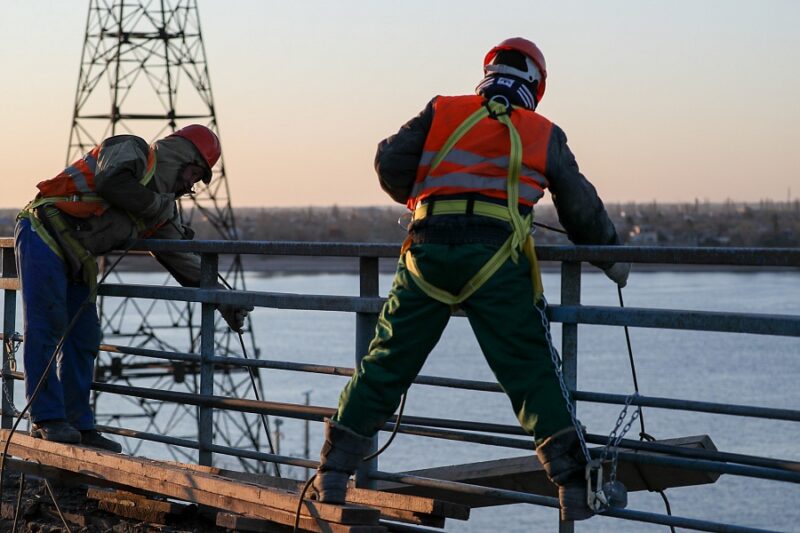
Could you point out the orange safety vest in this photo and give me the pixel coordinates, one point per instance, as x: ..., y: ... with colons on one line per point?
x: 73, y: 190
x: 479, y: 160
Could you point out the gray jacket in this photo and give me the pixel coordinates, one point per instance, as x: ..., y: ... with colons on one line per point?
x: 121, y: 164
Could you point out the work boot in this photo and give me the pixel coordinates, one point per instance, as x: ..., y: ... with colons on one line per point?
x: 56, y: 431
x: 565, y: 465
x: 93, y: 438
x: 340, y: 456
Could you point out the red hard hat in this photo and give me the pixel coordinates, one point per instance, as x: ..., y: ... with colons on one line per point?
x: 527, y: 48
x: 205, y: 140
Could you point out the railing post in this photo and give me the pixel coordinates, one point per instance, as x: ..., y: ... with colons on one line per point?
x: 365, y: 330
x: 9, y: 271
x: 570, y: 295
x: 209, y: 268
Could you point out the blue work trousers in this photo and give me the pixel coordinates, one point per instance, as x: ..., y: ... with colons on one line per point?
x: 49, y: 302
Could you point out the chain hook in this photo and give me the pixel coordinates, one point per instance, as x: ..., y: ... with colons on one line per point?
x: 13, y: 343
x: 595, y: 496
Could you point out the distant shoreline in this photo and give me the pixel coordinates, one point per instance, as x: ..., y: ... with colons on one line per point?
x: 304, y: 265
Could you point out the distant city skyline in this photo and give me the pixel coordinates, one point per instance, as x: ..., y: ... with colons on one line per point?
x: 666, y: 101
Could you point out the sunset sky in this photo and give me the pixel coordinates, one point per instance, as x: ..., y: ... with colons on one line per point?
x: 661, y: 100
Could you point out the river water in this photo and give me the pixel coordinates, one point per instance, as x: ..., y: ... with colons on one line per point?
x: 714, y: 367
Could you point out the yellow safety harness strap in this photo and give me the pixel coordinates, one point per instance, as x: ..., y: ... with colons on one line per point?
x: 520, y: 237
x: 459, y: 207
x: 40, y: 230
x: 459, y: 132
x: 482, y: 276
x: 48, y: 200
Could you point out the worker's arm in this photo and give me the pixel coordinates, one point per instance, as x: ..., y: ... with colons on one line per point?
x: 398, y: 156
x: 185, y: 268
x: 121, y: 163
x: 579, y: 208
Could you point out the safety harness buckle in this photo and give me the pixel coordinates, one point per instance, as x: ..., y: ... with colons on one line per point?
x: 495, y: 102
x: 601, y: 496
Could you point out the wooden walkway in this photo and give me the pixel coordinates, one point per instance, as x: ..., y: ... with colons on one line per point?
x: 137, y: 488
x: 244, y: 504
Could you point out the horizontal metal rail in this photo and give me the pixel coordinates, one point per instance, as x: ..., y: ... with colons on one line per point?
x: 689, y: 405
x: 546, y: 501
x: 485, y: 386
x: 761, y: 324
x: 308, y: 412
x: 761, y: 257
x: 722, y: 256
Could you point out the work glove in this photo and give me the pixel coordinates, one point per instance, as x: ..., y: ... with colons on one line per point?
x: 234, y: 315
x: 618, y: 273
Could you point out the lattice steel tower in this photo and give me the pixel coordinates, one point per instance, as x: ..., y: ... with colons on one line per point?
x: 144, y: 71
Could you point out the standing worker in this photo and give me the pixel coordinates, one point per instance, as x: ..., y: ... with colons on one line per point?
x: 120, y: 191
x: 470, y: 169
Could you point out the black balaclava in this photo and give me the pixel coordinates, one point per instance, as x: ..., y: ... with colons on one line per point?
x: 516, y: 90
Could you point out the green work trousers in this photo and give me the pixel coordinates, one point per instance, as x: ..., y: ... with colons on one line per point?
x: 506, y: 323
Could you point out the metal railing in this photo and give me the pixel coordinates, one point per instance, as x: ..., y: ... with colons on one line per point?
x: 366, y: 306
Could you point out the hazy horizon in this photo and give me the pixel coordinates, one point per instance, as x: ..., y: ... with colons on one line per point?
x: 665, y: 101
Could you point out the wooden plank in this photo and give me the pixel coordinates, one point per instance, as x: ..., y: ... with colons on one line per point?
x: 385, y: 501
x: 9, y: 284
x: 136, y: 506
x: 177, y: 482
x: 238, y: 522
x: 525, y: 474
x: 415, y: 504
x: 57, y: 475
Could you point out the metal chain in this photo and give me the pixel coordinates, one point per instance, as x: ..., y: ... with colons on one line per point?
x: 554, y: 357
x: 12, y: 347
x: 615, y: 438
x: 10, y: 400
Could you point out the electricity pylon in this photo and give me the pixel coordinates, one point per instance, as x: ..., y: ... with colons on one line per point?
x: 144, y: 71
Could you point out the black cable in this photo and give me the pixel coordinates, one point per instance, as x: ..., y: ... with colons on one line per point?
x: 264, y: 419
x: 643, y: 435
x: 633, y: 364
x: 307, y: 484
x: 19, y: 502
x: 55, y: 503
x: 367, y: 458
x: 551, y: 228
x: 375, y: 454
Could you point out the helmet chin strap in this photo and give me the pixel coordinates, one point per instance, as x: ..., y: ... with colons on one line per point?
x: 512, y: 88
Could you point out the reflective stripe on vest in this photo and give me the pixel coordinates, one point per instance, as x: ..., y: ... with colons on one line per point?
x: 479, y: 161
x: 73, y: 189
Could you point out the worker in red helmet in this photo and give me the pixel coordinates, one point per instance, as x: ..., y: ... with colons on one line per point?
x: 121, y: 190
x: 470, y: 170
